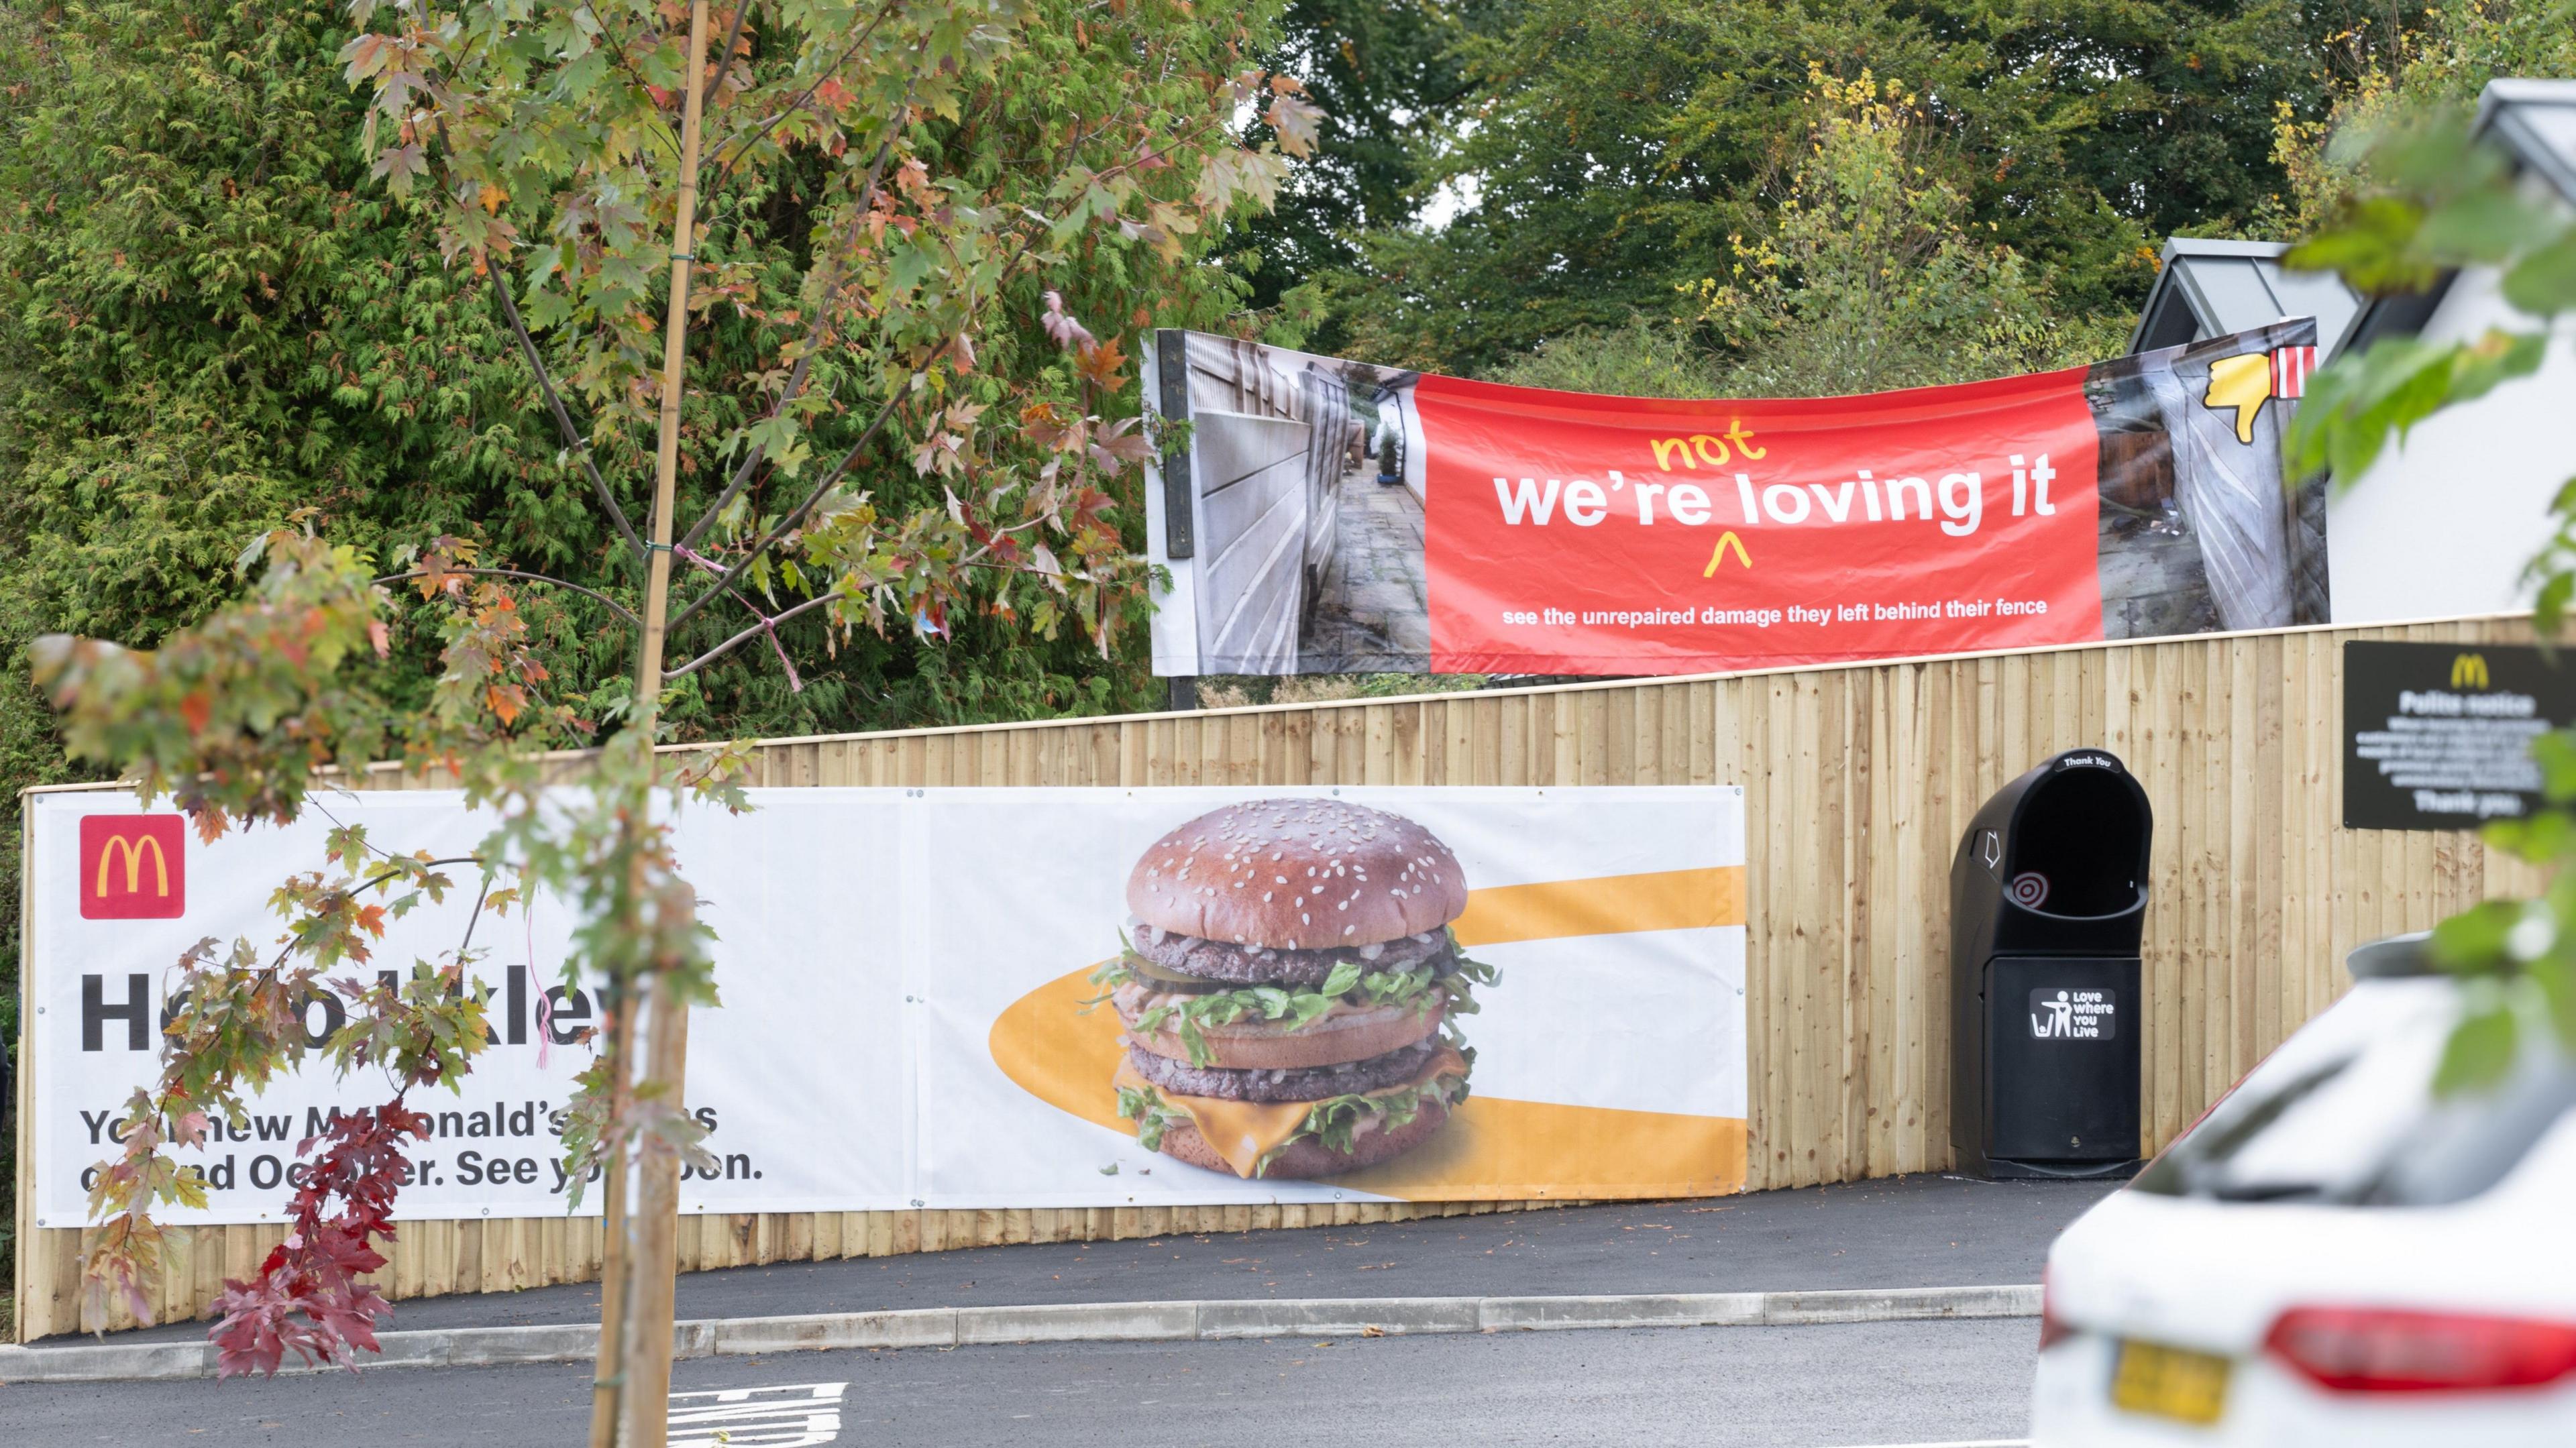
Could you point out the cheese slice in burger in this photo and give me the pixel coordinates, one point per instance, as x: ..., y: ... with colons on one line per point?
x: 1246, y: 1132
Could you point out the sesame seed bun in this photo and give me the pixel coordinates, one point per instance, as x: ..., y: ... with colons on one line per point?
x: 1298, y: 874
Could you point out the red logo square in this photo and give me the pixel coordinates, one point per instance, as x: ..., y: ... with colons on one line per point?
x: 133, y: 867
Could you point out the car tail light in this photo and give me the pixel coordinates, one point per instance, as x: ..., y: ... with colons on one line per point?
x: 2053, y: 1329
x: 2390, y: 1350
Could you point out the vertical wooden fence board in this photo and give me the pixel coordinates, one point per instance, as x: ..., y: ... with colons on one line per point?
x: 2167, y: 971
x: 1882, y: 981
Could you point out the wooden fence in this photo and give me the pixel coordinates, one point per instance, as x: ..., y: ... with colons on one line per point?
x: 1858, y: 783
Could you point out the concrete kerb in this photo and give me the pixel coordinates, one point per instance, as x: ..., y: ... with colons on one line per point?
x: 1079, y: 1322
x: 1340, y: 1317
x: 492, y: 1346
x: 1798, y: 1309
x: 834, y: 1331
x: 943, y: 1327
x: 1697, y: 1309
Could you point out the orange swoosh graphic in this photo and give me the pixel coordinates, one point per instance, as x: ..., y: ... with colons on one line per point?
x: 1492, y: 1148
x: 1609, y: 905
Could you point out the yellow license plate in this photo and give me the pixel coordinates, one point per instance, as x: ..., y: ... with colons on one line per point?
x: 2170, y: 1382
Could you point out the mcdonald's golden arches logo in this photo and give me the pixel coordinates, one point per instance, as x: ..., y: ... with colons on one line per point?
x: 133, y: 867
x: 2469, y: 671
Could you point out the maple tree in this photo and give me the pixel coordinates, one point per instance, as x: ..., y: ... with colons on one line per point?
x: 848, y: 242
x: 869, y: 267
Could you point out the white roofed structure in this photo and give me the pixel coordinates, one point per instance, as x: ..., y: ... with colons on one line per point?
x: 2444, y: 522
x: 2209, y: 288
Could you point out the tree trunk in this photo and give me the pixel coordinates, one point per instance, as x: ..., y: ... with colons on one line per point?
x: 609, y: 1381
x: 654, y: 1227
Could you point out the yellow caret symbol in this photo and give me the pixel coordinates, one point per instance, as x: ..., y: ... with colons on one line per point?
x: 2243, y: 383
x: 1717, y: 555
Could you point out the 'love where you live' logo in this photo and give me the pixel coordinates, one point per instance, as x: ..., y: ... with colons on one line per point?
x: 133, y: 867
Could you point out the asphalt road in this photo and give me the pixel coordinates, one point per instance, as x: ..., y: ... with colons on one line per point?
x: 1918, y: 1231
x: 1796, y: 1387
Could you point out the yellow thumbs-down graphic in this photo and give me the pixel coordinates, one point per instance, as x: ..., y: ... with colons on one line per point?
x: 2243, y: 383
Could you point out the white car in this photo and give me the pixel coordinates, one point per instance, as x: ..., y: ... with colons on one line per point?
x: 2333, y: 1255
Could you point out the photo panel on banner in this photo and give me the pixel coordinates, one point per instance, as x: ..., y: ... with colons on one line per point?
x: 1608, y: 1055
x: 1330, y: 516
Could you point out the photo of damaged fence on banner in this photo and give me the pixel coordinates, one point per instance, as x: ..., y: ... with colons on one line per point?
x: 1317, y: 515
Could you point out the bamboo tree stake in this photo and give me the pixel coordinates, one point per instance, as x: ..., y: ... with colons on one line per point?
x: 653, y: 1280
x: 614, y: 1259
x: 654, y: 1226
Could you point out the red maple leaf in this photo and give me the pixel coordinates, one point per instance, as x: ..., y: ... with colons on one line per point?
x: 308, y: 1298
x: 1102, y: 364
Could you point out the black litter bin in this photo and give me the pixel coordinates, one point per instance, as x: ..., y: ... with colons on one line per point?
x: 2048, y: 902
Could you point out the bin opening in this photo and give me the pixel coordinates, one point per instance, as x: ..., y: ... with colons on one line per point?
x: 2076, y: 845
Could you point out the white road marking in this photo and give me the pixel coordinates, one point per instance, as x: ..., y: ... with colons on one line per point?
x: 787, y: 1415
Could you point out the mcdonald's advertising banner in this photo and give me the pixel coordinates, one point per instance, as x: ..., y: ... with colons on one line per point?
x: 1327, y: 516
x: 998, y: 998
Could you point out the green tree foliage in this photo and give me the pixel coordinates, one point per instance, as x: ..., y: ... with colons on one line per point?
x: 881, y: 271
x: 209, y: 316
x: 2411, y: 198
x: 2391, y: 76
x: 1612, y: 149
x: 1643, y: 357
x: 1871, y: 277
x: 1384, y: 72
x: 205, y: 323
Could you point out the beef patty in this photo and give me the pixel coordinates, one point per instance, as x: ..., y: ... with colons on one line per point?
x: 1223, y: 960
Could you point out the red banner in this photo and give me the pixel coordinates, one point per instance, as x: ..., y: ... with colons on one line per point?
x: 1324, y: 516
x: 1578, y: 534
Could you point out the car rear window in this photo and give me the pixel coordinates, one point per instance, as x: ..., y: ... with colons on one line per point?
x: 2345, y: 1112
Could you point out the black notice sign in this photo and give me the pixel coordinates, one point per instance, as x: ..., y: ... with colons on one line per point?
x: 2438, y: 736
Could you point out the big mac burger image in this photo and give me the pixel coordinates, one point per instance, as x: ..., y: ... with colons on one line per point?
x: 1291, y: 988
